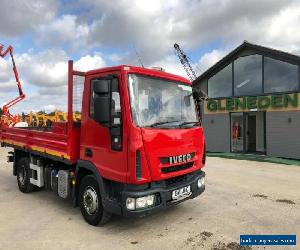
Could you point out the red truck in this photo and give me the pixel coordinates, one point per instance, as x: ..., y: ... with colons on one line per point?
x: 138, y: 148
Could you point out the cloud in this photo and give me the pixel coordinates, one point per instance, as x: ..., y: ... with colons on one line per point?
x: 101, y: 33
x: 53, y: 91
x: 88, y: 62
x: 209, y: 59
x: 63, y: 30
x: 44, y: 77
x: 281, y: 31
x: 277, y: 31
x: 6, y: 71
x: 36, y: 102
x: 50, y: 108
x: 227, y: 21
x: 18, y: 17
x: 153, y: 26
x: 9, y: 86
x: 47, y: 68
x: 171, y: 64
x: 143, y: 24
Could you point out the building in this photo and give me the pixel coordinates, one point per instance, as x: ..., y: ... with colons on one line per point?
x: 254, y: 102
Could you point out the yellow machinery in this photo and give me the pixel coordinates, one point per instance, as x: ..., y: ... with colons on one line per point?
x: 39, y: 119
x: 44, y: 120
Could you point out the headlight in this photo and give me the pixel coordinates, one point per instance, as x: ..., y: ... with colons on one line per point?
x: 201, y: 182
x: 140, y: 203
x: 150, y: 200
x: 130, y: 203
x: 146, y: 201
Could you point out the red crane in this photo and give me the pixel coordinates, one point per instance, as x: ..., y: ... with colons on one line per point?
x: 5, y: 108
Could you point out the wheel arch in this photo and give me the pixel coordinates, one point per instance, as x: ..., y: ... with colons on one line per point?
x: 84, y: 168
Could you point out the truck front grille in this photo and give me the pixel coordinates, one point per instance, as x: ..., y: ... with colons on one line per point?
x: 176, y: 180
x: 176, y: 168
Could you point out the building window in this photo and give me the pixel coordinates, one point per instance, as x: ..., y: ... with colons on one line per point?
x: 220, y: 85
x: 279, y: 76
x: 248, y: 75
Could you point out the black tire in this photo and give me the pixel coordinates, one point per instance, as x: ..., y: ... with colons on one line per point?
x: 23, y: 175
x: 90, y: 202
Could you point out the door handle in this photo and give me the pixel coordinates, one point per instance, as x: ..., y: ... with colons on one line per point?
x: 88, y: 152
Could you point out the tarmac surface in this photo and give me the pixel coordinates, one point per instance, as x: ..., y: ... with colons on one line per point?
x: 241, y: 197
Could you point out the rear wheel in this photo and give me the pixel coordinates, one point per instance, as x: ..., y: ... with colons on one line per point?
x: 23, y: 175
x: 90, y: 202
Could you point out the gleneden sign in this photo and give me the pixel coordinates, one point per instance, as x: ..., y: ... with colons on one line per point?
x: 283, y: 102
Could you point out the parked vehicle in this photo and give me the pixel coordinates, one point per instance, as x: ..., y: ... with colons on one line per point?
x: 138, y: 148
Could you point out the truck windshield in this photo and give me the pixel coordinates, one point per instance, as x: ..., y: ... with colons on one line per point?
x: 157, y: 102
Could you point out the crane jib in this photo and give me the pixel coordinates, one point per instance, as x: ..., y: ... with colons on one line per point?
x: 21, y: 96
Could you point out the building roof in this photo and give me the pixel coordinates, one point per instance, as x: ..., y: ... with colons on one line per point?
x: 278, y: 54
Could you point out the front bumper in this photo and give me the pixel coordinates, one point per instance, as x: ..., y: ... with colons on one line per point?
x: 163, y: 193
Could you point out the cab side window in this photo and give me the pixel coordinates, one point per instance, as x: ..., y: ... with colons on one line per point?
x: 115, y: 103
x: 92, y: 97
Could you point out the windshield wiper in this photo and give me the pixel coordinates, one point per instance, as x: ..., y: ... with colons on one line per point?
x: 187, y: 123
x: 161, y: 123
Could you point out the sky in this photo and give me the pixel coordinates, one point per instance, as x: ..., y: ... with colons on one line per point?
x: 45, y: 34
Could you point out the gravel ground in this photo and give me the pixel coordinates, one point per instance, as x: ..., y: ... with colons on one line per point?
x: 241, y: 197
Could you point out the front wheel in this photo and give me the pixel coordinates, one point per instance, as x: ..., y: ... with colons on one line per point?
x: 90, y: 202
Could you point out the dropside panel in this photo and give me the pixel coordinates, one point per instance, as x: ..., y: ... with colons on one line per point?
x: 48, y: 143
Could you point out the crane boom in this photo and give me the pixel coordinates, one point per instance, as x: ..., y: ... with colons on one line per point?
x: 6, y: 106
x: 185, y: 62
x: 189, y: 71
x: 199, y: 95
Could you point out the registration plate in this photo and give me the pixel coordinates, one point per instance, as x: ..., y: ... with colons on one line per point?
x: 181, y: 193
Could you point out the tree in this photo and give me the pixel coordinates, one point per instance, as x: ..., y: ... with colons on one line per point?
x: 1, y: 112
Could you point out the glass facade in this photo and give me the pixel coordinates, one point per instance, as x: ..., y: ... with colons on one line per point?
x: 254, y: 75
x: 220, y: 85
x: 248, y: 75
x: 280, y: 76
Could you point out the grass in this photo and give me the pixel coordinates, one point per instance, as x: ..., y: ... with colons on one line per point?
x: 256, y: 157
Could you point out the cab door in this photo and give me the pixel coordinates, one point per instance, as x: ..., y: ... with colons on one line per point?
x: 102, y: 142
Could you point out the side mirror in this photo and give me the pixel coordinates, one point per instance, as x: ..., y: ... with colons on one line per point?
x: 101, y: 87
x: 102, y: 109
